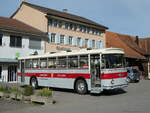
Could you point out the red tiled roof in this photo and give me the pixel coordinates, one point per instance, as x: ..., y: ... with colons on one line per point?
x: 13, y: 25
x: 62, y: 14
x: 125, y: 42
x: 145, y: 44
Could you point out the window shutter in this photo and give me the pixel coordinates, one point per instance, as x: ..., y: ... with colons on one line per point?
x: 101, y: 44
x: 57, y: 38
x: 89, y: 43
x: 34, y: 43
x: 49, y: 37
x: 97, y: 44
x: 82, y: 42
x: 74, y: 41
x: 66, y: 40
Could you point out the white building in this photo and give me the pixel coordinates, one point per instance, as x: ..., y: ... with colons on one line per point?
x: 17, y: 39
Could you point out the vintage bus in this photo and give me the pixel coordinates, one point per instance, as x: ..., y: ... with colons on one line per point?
x: 81, y: 70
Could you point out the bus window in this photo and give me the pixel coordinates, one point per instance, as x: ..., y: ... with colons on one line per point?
x: 113, y: 61
x: 51, y: 63
x: 62, y: 62
x: 28, y: 63
x: 43, y: 63
x: 73, y: 62
x: 35, y: 63
x: 83, y: 61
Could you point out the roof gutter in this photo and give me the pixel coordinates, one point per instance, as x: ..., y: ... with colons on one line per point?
x: 24, y: 33
x: 77, y: 21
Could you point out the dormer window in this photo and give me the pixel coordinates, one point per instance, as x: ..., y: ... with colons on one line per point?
x: 66, y: 25
x: 55, y: 23
x: 50, y: 22
x: 60, y: 24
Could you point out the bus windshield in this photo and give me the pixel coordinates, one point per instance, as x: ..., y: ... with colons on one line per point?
x: 113, y: 61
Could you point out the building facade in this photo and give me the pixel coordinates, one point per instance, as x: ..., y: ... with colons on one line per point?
x: 66, y: 31
x: 17, y: 39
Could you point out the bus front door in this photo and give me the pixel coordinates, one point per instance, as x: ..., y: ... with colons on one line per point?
x: 95, y: 73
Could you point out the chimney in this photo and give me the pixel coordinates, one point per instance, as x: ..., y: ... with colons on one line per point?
x: 65, y: 10
x: 137, y: 40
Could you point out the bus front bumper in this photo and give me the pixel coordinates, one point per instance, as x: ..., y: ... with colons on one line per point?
x: 115, y: 86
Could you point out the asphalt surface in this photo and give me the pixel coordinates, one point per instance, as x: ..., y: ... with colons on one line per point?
x: 134, y: 99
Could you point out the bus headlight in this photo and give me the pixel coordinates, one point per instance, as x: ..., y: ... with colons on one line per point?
x: 112, y: 81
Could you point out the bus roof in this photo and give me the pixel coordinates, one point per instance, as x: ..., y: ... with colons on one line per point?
x: 77, y: 52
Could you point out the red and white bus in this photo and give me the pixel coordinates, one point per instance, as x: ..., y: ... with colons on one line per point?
x: 82, y: 70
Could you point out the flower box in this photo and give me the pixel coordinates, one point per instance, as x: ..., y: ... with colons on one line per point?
x: 13, y: 96
x: 41, y: 99
x: 27, y: 98
x: 19, y: 97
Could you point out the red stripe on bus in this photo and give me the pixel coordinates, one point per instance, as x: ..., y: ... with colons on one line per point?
x: 75, y: 75
x: 58, y: 75
x: 114, y: 75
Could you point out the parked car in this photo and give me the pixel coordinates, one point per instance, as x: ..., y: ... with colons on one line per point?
x: 133, y: 75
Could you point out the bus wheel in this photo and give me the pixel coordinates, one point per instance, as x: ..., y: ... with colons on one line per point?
x: 81, y: 86
x: 34, y: 82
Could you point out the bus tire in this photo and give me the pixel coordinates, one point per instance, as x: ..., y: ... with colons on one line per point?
x: 34, y: 82
x: 81, y: 86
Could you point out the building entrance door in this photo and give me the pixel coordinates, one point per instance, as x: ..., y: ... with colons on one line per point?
x: 12, y: 71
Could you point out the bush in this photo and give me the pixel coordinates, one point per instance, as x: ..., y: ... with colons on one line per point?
x: 1, y: 88
x: 28, y: 91
x: 16, y: 90
x: 45, y: 92
x: 5, y: 89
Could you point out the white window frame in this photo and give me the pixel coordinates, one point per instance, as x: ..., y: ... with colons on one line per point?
x: 78, y: 41
x: 93, y: 43
x: 86, y: 42
x: 53, y: 39
x: 70, y: 40
x: 62, y: 39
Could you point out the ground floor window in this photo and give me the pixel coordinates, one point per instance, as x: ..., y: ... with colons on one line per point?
x: 35, y: 43
x: 0, y: 72
x: 12, y: 70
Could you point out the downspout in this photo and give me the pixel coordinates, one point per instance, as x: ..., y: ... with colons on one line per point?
x: 149, y: 68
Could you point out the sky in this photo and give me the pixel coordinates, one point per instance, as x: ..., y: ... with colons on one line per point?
x: 130, y: 17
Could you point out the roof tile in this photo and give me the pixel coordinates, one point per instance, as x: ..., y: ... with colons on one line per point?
x: 18, y: 26
x: 125, y: 42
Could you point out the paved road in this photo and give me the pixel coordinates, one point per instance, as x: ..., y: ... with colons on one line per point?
x: 135, y: 99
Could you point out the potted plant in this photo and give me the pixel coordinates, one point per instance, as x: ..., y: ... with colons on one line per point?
x: 43, y: 96
x: 27, y: 92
